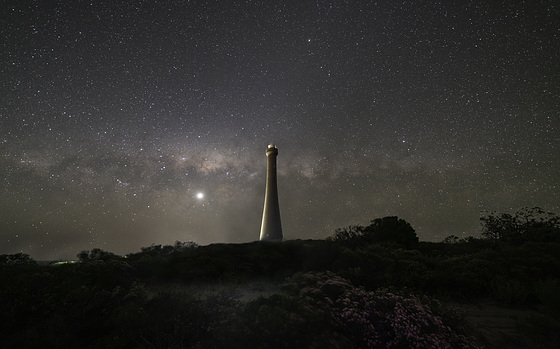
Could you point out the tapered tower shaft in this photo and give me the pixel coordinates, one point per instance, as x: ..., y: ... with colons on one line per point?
x: 271, y: 227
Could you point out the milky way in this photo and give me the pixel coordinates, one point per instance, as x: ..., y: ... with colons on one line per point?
x: 115, y: 116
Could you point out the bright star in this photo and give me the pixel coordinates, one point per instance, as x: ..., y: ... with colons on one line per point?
x: 200, y: 195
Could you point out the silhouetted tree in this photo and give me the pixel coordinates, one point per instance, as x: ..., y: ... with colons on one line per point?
x: 348, y: 234
x: 451, y: 239
x: 96, y: 254
x: 17, y: 258
x: 391, y: 229
x: 159, y: 250
x: 381, y: 230
x: 180, y: 246
x: 532, y: 224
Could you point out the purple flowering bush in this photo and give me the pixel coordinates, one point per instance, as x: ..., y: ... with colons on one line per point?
x: 381, y: 319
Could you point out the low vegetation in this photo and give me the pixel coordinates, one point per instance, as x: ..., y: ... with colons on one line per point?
x: 364, y: 287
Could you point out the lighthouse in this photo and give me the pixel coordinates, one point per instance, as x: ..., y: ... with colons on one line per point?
x: 271, y: 228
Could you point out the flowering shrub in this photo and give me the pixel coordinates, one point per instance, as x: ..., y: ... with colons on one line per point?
x: 380, y: 319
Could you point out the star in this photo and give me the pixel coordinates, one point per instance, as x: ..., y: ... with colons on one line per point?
x: 122, y: 117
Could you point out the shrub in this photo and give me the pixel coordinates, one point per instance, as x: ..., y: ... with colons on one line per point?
x: 547, y: 292
x: 380, y: 319
x: 509, y: 291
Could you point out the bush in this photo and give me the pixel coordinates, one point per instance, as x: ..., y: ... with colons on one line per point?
x: 509, y: 291
x: 379, y: 319
x: 547, y: 292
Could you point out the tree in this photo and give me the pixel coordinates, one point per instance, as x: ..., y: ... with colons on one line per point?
x: 352, y: 232
x: 159, y: 250
x: 392, y: 230
x: 532, y: 224
x: 451, y: 239
x: 17, y: 258
x: 96, y: 254
x: 381, y: 230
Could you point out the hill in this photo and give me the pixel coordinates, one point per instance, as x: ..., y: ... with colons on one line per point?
x: 295, y: 293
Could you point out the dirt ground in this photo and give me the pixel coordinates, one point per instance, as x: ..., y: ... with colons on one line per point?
x: 498, y: 326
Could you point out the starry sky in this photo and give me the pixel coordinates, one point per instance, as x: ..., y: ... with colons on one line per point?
x: 129, y: 123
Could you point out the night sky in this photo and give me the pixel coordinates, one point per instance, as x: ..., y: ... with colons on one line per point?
x: 128, y: 123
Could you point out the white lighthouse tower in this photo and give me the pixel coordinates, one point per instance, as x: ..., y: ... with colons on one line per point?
x: 271, y: 227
